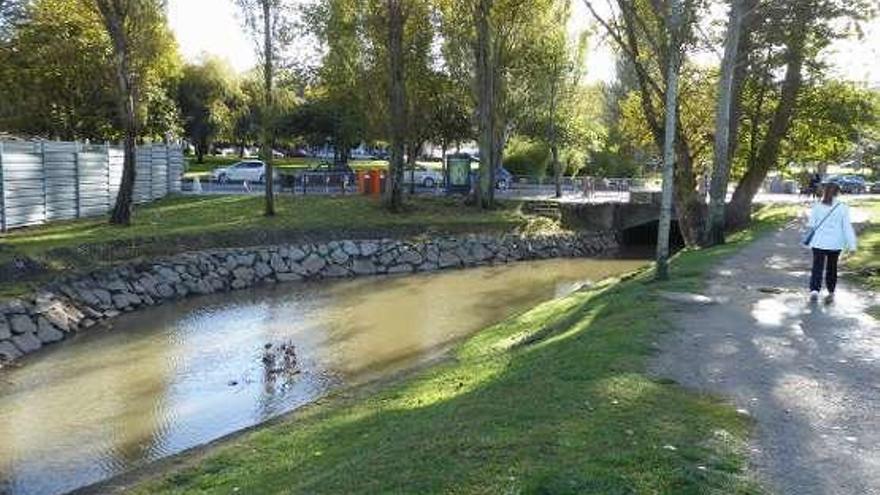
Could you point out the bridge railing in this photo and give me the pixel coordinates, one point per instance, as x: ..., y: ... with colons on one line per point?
x: 589, y: 188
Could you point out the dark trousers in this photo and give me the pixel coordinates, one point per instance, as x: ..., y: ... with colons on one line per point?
x: 824, y: 260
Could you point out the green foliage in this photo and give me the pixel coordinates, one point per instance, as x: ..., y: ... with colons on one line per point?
x: 207, y: 96
x: 830, y: 118
x: 524, y: 156
x: 58, y: 79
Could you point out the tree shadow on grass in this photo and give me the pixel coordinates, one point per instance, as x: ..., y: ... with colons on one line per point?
x: 569, y: 412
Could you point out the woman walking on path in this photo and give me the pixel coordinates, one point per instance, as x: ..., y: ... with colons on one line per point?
x: 831, y: 232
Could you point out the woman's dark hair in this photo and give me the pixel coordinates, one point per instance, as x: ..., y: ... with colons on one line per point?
x: 829, y: 191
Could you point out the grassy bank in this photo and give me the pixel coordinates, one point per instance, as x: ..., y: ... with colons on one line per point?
x: 182, y: 223
x: 865, y: 264
x: 555, y: 400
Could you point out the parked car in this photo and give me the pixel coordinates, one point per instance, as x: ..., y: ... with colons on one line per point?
x: 503, y: 179
x: 248, y: 170
x: 336, y: 172
x: 423, y: 176
x: 851, y: 184
x: 875, y: 188
x: 299, y: 153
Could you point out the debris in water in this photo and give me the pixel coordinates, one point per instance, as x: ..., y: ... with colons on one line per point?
x: 279, y: 359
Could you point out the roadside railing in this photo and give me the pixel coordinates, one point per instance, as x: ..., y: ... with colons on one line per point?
x: 595, y: 189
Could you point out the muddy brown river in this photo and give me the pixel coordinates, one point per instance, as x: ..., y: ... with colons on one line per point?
x: 169, y: 378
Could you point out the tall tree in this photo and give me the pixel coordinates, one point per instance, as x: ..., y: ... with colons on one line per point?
x: 397, y: 103
x: 207, y: 97
x: 790, y: 38
x: 131, y: 26
x: 270, y: 26
x: 638, y: 29
x: 674, y: 53
x: 724, y: 120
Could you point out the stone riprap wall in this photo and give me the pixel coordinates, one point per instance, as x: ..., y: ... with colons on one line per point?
x: 63, y: 308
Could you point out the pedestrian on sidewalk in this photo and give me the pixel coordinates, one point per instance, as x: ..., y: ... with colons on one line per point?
x: 830, y: 232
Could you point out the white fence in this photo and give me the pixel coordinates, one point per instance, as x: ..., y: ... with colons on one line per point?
x: 49, y: 180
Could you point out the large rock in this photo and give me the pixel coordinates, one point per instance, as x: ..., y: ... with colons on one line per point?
x: 339, y: 256
x: 350, y: 248
x: 297, y: 254
x: 245, y: 260
x: 262, y: 270
x: 5, y: 330
x: 167, y: 275
x: 13, y: 306
x: 313, y: 264
x: 369, y: 248
x: 105, y: 300
x: 8, y: 351
x: 410, y: 256
x: 403, y: 268
x: 288, y: 277
x: 278, y: 264
x: 125, y: 300
x: 448, y: 260
x: 335, y: 271
x: 164, y: 290
x: 46, y: 332
x: 26, y: 343
x: 363, y: 266
x: 22, y: 324
x: 244, y: 273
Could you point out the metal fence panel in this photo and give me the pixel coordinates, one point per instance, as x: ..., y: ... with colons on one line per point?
x: 43, y: 181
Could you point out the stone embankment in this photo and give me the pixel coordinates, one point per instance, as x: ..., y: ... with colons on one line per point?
x: 61, y: 309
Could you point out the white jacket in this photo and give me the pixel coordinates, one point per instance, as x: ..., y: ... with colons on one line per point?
x: 836, y: 232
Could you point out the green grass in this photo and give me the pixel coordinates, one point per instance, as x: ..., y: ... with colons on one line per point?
x: 866, y: 261
x: 554, y: 401
x: 182, y: 223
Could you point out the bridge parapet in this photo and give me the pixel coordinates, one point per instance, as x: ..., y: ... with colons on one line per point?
x: 610, y: 216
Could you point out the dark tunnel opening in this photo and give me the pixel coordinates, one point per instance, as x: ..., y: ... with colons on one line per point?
x: 641, y: 240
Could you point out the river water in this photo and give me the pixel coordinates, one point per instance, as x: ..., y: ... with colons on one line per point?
x: 165, y: 379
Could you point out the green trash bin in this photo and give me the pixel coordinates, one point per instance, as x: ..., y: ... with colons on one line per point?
x: 458, y: 174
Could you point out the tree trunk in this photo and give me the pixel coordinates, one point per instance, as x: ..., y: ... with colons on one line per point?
x: 200, y: 152
x: 397, y: 100
x: 486, y: 86
x: 671, y: 121
x: 721, y: 171
x: 268, y: 76
x: 554, y: 145
x: 740, y: 208
x: 414, y: 149
x: 114, y: 22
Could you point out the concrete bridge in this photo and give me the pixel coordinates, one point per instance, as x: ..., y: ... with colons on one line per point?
x: 609, y: 216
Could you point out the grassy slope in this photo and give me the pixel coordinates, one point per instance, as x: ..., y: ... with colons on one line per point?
x: 163, y: 227
x: 866, y: 262
x: 553, y: 401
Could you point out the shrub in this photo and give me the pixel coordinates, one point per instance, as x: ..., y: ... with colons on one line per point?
x: 526, y: 157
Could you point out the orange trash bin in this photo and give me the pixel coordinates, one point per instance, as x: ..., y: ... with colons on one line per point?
x: 376, y: 182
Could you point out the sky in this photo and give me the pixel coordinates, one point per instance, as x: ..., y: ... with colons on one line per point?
x: 213, y: 26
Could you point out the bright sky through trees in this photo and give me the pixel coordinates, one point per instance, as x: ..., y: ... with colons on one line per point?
x: 213, y: 26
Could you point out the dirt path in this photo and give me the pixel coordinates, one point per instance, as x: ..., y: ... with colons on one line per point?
x: 809, y: 373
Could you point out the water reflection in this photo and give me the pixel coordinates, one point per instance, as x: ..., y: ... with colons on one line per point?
x: 177, y: 376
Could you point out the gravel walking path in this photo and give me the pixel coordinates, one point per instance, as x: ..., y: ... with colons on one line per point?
x: 808, y: 373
